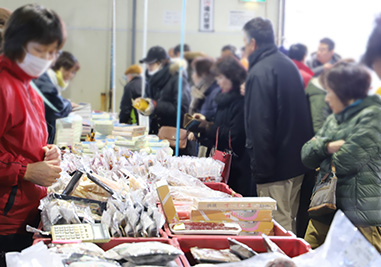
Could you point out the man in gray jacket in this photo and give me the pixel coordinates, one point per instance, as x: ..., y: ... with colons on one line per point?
x: 324, y: 58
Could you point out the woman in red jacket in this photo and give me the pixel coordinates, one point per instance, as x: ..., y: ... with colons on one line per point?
x: 32, y: 38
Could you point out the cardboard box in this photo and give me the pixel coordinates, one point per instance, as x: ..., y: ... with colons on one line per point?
x: 231, y: 215
x: 166, y: 201
x: 236, y: 203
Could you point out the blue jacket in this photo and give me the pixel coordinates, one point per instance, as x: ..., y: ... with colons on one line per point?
x: 63, y: 105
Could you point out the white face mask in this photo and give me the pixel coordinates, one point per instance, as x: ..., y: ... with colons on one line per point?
x: 34, y: 66
x: 151, y: 73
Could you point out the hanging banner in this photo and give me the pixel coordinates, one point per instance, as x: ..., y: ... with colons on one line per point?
x: 206, y: 16
x: 238, y: 18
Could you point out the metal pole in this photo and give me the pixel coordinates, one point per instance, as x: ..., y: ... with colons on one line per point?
x: 180, y: 77
x: 144, y: 45
x: 281, y: 18
x: 133, y: 35
x: 144, y: 120
x: 113, y: 59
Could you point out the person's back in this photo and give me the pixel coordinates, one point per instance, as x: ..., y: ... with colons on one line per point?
x: 131, y: 91
x: 277, y: 121
x: 318, y: 107
x: 297, y: 53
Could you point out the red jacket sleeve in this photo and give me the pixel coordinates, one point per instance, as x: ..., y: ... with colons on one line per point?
x: 12, y: 168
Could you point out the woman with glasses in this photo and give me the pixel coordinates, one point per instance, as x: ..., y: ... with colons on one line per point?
x: 32, y: 36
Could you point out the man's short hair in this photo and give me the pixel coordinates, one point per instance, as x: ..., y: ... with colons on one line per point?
x: 261, y: 30
x: 177, y: 48
x: 329, y: 42
x: 297, y: 52
x: 31, y: 22
x: 348, y: 80
x: 230, y: 48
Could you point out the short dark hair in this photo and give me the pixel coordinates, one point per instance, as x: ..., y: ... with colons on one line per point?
x: 230, y: 48
x: 348, y: 80
x: 261, y: 30
x: 329, y: 42
x: 373, y: 48
x: 67, y: 61
x: 31, y: 22
x: 297, y: 52
x: 232, y: 69
x: 177, y: 48
x: 203, y: 66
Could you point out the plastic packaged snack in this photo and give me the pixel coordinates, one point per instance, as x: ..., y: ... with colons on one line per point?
x: 154, y: 253
x: 208, y: 255
x: 240, y: 250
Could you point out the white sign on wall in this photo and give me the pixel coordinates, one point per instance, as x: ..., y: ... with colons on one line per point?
x: 206, y: 15
x: 171, y: 17
x: 238, y: 18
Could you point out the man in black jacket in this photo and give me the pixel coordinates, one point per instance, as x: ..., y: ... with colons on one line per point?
x: 277, y: 121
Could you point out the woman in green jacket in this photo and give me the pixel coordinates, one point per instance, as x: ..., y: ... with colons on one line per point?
x: 350, y: 139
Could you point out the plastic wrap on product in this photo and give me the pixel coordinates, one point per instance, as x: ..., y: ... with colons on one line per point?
x: 88, y: 189
x: 106, y: 219
x: 148, y: 253
x: 189, y: 194
x: 202, y: 168
x: 87, y: 216
x: 68, y: 212
x: 81, y: 260
x: 208, y: 255
x: 83, y: 248
x: 241, y: 250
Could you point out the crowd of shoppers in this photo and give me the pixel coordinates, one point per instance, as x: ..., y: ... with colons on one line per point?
x: 277, y: 131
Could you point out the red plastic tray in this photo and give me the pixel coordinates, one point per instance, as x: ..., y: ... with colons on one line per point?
x: 223, y: 188
x: 291, y: 246
x: 181, y: 261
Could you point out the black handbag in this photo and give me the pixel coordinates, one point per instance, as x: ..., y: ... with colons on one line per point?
x: 323, y: 200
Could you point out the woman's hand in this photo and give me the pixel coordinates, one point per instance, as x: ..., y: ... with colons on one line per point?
x: 191, y: 137
x: 43, y: 173
x: 199, y: 116
x: 242, y: 89
x: 334, y: 146
x: 52, y: 154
